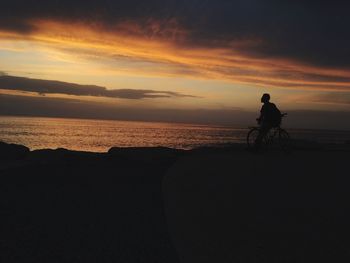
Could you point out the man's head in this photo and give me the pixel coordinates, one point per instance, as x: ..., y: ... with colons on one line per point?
x: 265, y: 98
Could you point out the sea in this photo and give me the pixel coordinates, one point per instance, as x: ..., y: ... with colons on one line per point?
x: 101, y: 135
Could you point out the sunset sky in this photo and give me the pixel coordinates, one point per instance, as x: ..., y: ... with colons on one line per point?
x: 145, y: 57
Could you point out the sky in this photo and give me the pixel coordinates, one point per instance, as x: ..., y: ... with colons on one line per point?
x: 184, y: 60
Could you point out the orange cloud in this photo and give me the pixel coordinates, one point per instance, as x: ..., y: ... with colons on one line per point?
x: 157, y: 49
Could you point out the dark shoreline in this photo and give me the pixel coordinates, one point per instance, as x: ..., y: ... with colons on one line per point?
x: 157, y: 204
x: 67, y: 206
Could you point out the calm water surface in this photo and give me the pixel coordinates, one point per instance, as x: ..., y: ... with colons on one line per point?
x: 100, y: 135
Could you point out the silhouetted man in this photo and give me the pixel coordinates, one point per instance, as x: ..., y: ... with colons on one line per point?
x: 270, y: 117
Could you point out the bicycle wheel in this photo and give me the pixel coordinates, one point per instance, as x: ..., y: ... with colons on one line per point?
x: 284, y: 140
x: 251, y: 137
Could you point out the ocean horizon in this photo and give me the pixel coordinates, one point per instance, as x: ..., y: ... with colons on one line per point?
x: 100, y: 135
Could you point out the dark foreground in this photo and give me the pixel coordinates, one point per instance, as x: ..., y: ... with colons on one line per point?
x: 165, y: 205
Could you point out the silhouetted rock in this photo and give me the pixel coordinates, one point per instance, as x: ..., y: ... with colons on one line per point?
x: 12, y: 151
x: 61, y: 155
x: 223, y: 204
x: 271, y: 207
x: 68, y: 206
x: 156, y: 155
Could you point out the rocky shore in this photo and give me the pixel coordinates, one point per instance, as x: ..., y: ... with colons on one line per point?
x: 166, y: 205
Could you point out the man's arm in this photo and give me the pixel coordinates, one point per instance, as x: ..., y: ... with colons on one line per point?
x: 261, y: 115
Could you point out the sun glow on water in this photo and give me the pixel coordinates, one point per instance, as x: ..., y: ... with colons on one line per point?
x: 101, y: 135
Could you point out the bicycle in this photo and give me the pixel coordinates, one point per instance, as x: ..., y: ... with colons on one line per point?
x: 269, y: 139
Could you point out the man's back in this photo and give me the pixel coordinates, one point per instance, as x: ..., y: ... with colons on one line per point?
x: 270, y: 113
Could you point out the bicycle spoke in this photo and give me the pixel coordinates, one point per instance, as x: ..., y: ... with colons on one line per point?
x: 252, y: 136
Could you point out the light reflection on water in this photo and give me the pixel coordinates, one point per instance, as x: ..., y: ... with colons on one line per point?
x: 101, y: 135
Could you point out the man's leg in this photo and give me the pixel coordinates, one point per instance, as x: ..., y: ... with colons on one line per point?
x: 264, y: 129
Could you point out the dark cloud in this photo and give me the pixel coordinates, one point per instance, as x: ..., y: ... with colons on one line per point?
x: 68, y: 108
x: 58, y: 87
x: 316, y: 119
x: 332, y: 98
x: 312, y: 31
x: 73, y: 108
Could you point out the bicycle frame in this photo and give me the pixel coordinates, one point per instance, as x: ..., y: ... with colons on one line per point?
x: 270, y: 136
